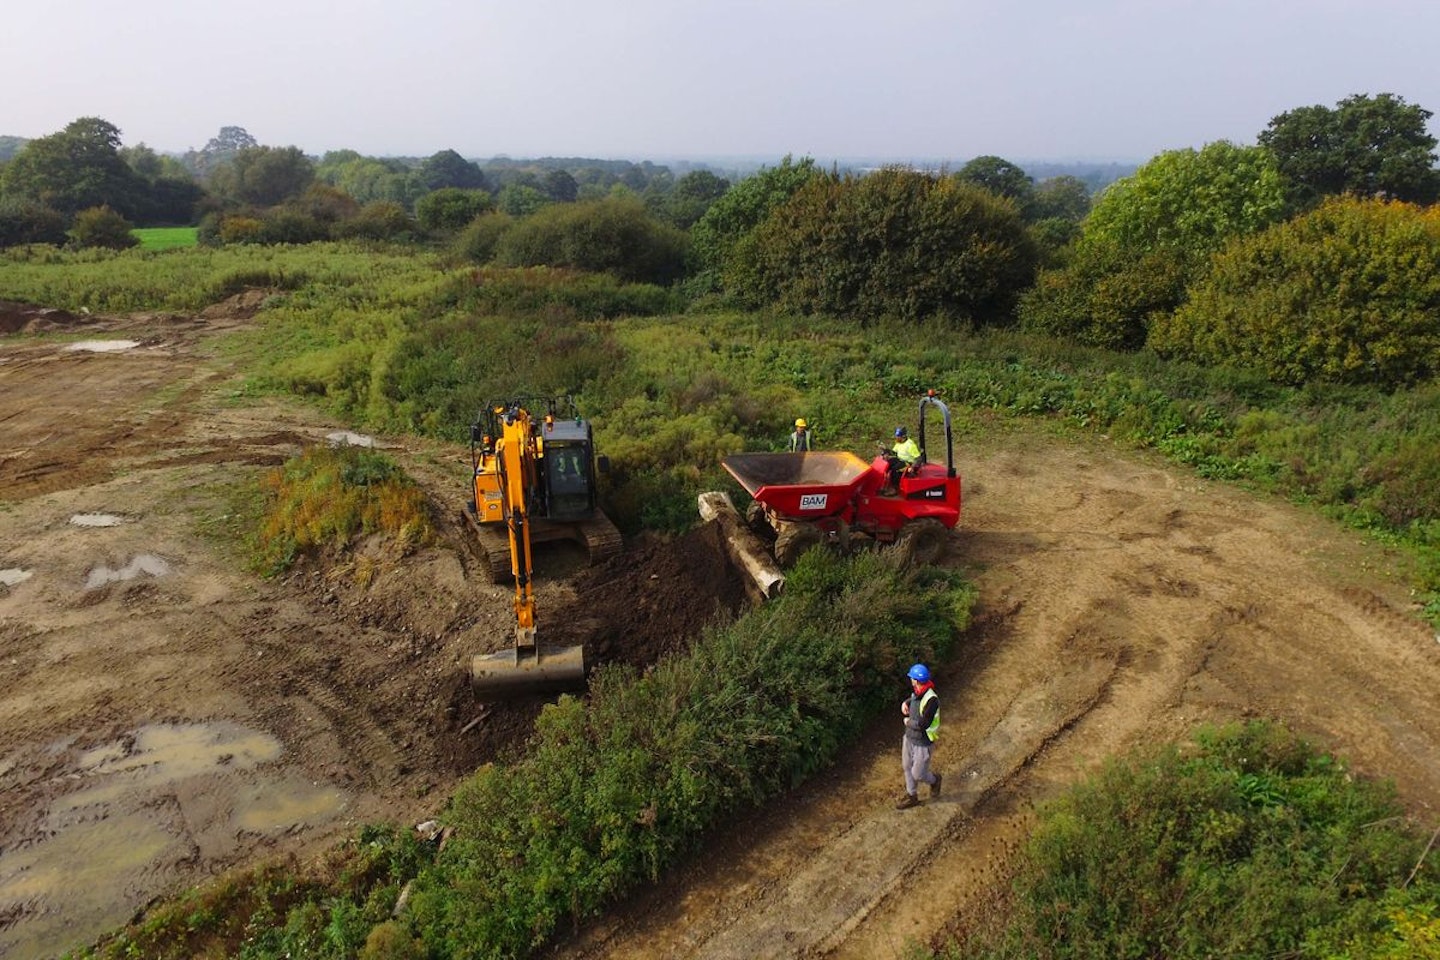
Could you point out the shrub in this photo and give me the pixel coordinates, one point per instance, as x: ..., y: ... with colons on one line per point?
x: 238, y: 229
x: 1348, y: 293
x: 449, y: 209
x: 378, y: 220
x: 1249, y: 844
x: 27, y: 221
x: 1104, y: 298
x: 477, y: 241
x: 321, y: 499
x: 615, y: 235
x: 102, y: 227
x: 892, y: 243
x: 287, y: 225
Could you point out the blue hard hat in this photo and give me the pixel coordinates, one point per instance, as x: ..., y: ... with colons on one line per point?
x: 919, y: 673
x: 899, y: 431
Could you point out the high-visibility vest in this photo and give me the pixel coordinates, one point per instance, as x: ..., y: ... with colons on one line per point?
x: 933, y: 730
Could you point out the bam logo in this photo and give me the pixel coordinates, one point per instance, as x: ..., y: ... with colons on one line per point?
x: 814, y: 501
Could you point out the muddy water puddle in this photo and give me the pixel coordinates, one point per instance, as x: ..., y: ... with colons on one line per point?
x: 132, y: 818
x: 144, y: 563
x: 96, y: 520
x: 101, y: 346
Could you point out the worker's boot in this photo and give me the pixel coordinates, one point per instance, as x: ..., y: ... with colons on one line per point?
x: 908, y: 801
x: 935, y: 787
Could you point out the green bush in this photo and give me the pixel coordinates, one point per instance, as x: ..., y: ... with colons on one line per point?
x: 1348, y: 293
x: 894, y: 243
x: 287, y: 225
x: 1248, y: 844
x: 102, y: 227
x: 449, y: 209
x: 28, y: 221
x: 611, y: 792
x: 615, y: 235
x: 377, y: 220
x: 477, y: 241
x: 1103, y: 297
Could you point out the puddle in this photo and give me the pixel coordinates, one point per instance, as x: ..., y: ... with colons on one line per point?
x: 8, y: 578
x: 150, y: 805
x: 344, y: 438
x: 273, y: 807
x: 146, y: 563
x: 62, y: 893
x: 158, y: 755
x: 102, y: 346
x: 96, y: 520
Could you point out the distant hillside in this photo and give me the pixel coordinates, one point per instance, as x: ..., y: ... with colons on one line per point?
x: 9, y: 146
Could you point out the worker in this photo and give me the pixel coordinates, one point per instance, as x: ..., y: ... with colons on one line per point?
x: 905, y: 455
x: 800, y: 439
x: 922, y: 724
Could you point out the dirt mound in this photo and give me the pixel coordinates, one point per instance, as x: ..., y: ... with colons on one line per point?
x: 17, y: 317
x: 653, y: 600
x: 240, y: 306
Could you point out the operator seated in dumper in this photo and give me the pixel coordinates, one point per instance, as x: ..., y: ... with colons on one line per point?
x: 903, y: 457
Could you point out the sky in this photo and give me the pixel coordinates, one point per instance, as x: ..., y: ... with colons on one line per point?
x: 918, y: 81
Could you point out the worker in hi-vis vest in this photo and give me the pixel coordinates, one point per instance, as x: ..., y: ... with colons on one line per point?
x: 922, y: 724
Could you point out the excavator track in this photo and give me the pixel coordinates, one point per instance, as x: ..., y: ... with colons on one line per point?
x: 601, y: 538
x: 598, y: 535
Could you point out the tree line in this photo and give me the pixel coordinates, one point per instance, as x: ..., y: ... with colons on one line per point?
x: 1310, y: 253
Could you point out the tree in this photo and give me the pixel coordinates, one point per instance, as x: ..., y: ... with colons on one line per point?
x: 520, y: 200
x: 743, y: 208
x: 1189, y: 201
x: 102, y: 227
x: 74, y: 169
x: 894, y: 243
x: 1369, y: 146
x: 448, y: 169
x: 450, y: 209
x: 368, y: 179
x: 220, y: 149
x: 1148, y: 237
x: 1061, y: 198
x: 264, y: 176
x: 561, y: 187
x: 691, y: 196
x: 1000, y: 177
x: 1349, y: 292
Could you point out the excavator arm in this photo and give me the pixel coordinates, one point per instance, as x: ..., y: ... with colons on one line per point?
x: 515, y: 453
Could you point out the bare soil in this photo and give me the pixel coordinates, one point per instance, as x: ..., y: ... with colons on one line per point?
x: 168, y: 716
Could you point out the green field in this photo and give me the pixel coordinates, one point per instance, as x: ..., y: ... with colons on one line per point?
x: 165, y: 238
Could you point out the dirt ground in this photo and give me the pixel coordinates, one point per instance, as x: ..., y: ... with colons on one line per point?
x: 168, y: 716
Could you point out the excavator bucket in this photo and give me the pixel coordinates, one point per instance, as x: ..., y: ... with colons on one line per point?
x: 527, y: 669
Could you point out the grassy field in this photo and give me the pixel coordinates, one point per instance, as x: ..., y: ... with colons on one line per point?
x: 165, y: 238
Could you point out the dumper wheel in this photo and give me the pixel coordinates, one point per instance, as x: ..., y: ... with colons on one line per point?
x: 756, y: 520
x: 794, y: 540
x: 921, y: 541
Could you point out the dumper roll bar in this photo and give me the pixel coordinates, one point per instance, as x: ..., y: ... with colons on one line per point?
x: 930, y: 399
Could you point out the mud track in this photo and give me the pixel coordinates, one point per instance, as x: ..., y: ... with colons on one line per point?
x: 168, y: 716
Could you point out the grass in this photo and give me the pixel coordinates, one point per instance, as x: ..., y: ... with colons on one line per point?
x: 165, y: 238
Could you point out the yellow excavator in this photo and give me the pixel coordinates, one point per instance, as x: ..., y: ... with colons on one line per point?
x: 534, y: 480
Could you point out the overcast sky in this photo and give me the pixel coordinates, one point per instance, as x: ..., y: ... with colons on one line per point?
x: 902, y: 80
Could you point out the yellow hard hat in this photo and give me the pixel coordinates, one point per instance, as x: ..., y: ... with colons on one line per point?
x: 800, y: 424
